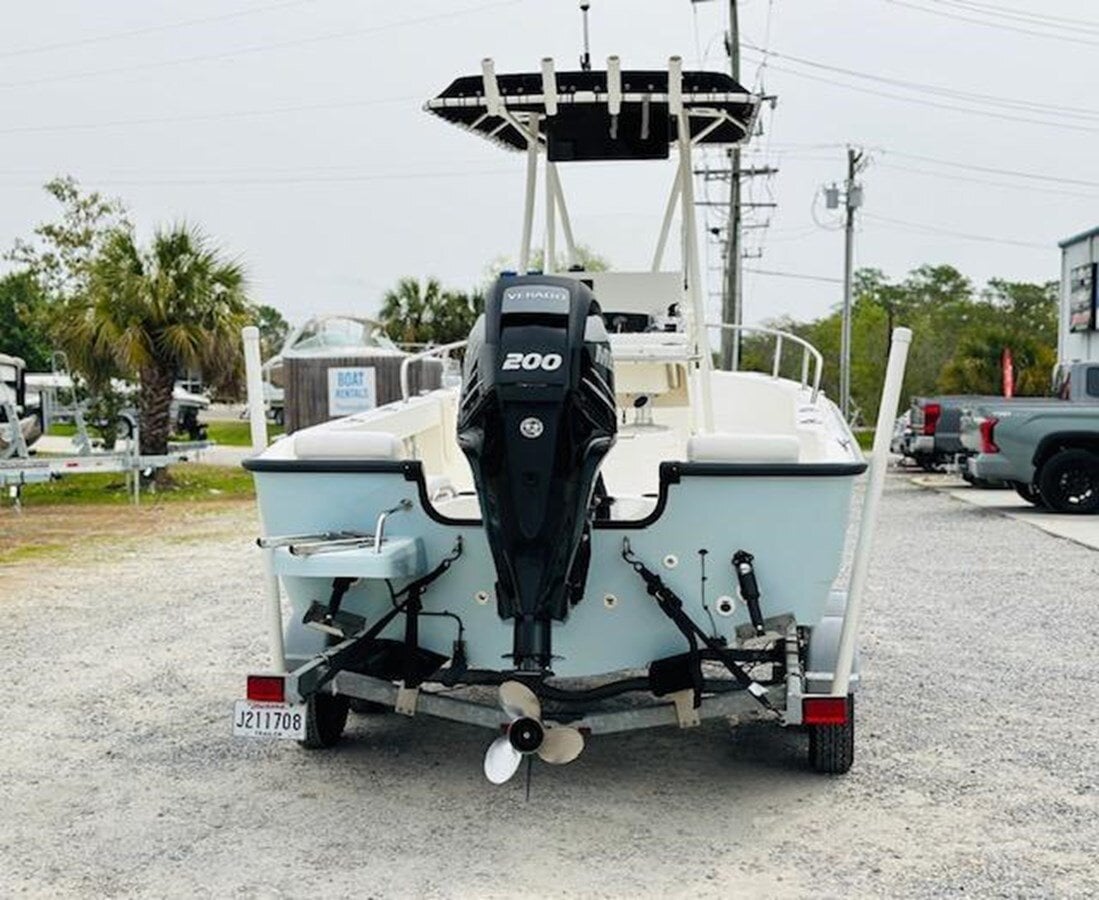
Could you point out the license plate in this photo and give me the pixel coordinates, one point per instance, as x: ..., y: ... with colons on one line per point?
x: 274, y: 720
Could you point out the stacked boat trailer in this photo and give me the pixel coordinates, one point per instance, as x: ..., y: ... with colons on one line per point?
x: 19, y: 468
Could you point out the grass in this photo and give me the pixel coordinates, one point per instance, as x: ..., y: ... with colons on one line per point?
x: 62, y: 429
x: 865, y: 438
x: 190, y: 481
x: 237, y: 433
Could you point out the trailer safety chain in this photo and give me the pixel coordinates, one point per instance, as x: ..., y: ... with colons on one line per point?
x: 672, y: 606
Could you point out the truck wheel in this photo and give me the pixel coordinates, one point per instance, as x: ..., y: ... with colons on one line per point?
x: 325, y: 719
x: 1069, y: 481
x: 1028, y: 492
x: 832, y: 747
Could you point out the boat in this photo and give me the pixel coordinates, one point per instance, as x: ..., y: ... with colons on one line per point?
x: 20, y: 426
x: 302, y: 382
x: 596, y: 527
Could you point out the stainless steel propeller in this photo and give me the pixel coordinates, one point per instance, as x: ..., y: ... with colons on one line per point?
x: 527, y: 734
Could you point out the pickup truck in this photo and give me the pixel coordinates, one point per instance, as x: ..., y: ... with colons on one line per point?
x: 1046, y: 448
x: 935, y: 425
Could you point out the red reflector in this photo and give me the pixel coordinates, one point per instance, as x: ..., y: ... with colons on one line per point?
x: 266, y: 689
x: 824, y: 710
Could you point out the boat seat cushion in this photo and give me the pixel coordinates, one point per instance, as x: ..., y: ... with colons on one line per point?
x: 339, y: 444
x: 743, y: 448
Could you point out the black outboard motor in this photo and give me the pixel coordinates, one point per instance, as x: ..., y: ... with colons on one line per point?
x: 537, y: 417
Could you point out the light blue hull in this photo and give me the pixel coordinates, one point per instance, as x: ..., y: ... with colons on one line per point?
x: 793, y: 524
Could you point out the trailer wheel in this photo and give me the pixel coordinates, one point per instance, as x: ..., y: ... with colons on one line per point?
x: 832, y: 747
x: 325, y: 719
x: 1069, y: 481
x: 1028, y: 492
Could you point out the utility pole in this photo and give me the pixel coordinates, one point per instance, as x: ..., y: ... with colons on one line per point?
x: 852, y: 200
x: 731, y: 302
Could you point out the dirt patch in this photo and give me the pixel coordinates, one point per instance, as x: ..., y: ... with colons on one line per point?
x: 67, y: 533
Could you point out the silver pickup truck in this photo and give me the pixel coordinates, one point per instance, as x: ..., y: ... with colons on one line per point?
x: 1047, y: 448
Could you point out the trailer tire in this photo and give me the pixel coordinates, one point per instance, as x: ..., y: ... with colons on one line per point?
x: 832, y: 747
x: 325, y: 720
x: 1069, y: 481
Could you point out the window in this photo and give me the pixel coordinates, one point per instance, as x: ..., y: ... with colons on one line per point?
x: 1093, y: 381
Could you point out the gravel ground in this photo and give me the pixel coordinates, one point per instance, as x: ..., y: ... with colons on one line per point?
x: 977, y: 766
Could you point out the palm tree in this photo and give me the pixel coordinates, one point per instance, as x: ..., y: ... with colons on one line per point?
x: 155, y: 312
x: 413, y: 314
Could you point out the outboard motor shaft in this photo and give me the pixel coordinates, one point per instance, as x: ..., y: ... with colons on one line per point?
x: 537, y: 417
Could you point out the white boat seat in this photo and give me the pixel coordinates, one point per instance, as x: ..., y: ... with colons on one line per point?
x: 743, y: 448
x: 347, y: 444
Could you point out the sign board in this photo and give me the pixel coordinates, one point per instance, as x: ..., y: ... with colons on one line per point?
x: 1081, y: 298
x: 351, y: 390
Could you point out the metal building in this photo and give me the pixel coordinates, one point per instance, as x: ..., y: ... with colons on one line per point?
x: 1077, y: 333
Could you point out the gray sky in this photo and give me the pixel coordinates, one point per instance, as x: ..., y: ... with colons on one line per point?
x: 293, y: 132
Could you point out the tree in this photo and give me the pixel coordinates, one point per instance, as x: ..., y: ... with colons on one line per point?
x: 585, y: 257
x: 22, y: 320
x: 175, y: 305
x: 427, y: 314
x: 58, y: 261
x: 61, y: 256
x: 976, y: 367
x: 273, y: 329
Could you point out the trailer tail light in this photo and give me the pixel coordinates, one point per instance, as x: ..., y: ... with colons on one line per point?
x: 824, y: 710
x: 266, y: 689
x: 931, y: 413
x: 987, y: 429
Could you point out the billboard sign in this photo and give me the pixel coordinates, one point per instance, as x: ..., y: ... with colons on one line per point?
x: 1081, y: 298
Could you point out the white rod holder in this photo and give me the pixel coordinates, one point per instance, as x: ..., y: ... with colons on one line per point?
x: 675, y: 86
x: 549, y: 86
x: 253, y: 370
x: 614, y: 85
x: 493, y: 103
x: 879, y: 460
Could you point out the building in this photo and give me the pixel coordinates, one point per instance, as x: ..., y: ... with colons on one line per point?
x: 1077, y: 332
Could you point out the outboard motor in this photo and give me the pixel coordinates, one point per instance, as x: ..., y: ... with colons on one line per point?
x: 537, y: 416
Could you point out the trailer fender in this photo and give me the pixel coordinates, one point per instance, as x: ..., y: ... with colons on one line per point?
x: 824, y: 642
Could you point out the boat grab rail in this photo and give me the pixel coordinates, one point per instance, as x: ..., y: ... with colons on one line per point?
x: 808, y: 351
x: 441, y: 350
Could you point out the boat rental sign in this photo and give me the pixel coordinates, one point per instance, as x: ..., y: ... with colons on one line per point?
x: 351, y: 390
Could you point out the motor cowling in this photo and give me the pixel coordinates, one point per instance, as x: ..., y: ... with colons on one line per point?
x: 537, y: 416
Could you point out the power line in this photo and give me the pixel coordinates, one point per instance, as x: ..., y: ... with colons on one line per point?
x: 937, y: 90
x: 1079, y: 195
x: 206, y: 117
x: 936, y: 230
x: 259, y: 48
x: 802, y: 276
x: 153, y: 29
x: 1036, y: 176
x: 1064, y: 22
x: 1029, y: 31
x: 933, y: 104
x: 234, y: 181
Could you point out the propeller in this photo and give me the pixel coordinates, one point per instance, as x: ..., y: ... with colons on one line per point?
x: 527, y: 734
